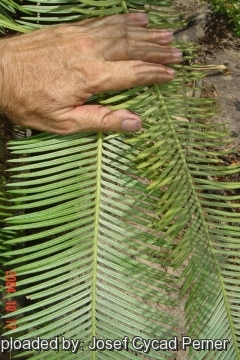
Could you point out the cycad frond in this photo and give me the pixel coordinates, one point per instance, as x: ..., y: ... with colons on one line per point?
x: 99, y: 266
x: 36, y: 14
x: 8, y: 10
x: 103, y: 216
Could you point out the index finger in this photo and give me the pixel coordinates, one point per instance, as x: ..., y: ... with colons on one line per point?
x: 134, y: 19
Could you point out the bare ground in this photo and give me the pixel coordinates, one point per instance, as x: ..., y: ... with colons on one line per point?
x: 218, y: 45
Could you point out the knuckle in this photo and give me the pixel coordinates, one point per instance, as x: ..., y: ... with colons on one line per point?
x: 85, y: 42
x: 101, y: 21
x: 105, y: 123
x: 143, y: 72
x: 139, y: 50
x: 63, y: 28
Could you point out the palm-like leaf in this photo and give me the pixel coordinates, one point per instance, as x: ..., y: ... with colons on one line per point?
x: 8, y: 9
x: 103, y: 216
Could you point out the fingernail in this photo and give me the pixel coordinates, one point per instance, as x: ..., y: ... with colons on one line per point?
x: 140, y: 17
x: 131, y: 125
x: 171, y: 72
x: 166, y: 35
x: 177, y: 54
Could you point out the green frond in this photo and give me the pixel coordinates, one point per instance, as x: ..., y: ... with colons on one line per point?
x: 35, y: 14
x: 111, y: 230
x: 8, y: 10
x: 91, y: 248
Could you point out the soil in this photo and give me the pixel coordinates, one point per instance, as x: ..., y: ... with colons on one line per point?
x: 218, y: 45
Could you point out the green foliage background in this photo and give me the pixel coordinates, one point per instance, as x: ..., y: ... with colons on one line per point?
x: 232, y: 9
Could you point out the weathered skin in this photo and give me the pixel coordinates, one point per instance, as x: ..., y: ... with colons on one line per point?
x: 47, y: 75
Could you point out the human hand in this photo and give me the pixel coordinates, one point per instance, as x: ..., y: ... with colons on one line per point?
x: 47, y: 75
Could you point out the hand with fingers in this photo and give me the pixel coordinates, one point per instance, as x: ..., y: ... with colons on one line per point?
x: 47, y: 75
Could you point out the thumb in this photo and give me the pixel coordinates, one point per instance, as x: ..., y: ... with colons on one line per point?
x: 100, y: 118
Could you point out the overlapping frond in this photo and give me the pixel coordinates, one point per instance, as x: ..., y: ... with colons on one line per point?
x: 103, y: 220
x: 194, y: 208
x: 35, y: 14
x: 182, y: 159
x: 90, y: 256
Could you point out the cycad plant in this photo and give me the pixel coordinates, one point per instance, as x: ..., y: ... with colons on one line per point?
x: 109, y: 232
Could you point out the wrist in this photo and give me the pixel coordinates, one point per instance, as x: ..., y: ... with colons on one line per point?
x: 3, y: 64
